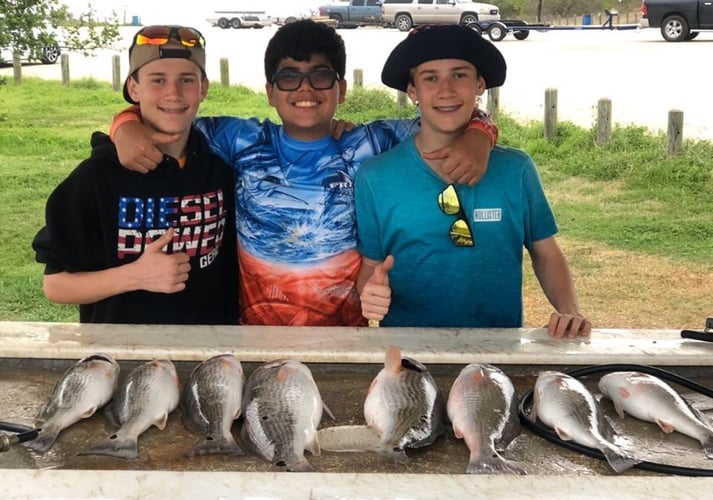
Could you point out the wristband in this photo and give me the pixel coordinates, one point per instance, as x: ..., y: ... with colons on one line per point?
x: 486, y: 125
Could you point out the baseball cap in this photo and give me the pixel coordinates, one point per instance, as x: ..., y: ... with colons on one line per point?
x: 164, y: 42
x: 452, y: 41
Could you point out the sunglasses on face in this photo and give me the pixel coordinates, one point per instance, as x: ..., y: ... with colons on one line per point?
x: 319, y: 79
x: 449, y: 203
x: 161, y: 35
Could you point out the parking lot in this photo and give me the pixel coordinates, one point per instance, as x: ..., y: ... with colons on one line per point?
x: 643, y: 75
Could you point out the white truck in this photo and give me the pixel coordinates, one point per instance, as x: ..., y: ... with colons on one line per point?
x: 405, y: 14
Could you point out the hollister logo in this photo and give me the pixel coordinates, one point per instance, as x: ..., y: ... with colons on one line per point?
x: 487, y: 215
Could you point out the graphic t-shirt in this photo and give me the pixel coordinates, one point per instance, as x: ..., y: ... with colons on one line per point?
x: 296, y: 220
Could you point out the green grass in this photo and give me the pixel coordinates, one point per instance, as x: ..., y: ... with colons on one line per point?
x: 628, y: 194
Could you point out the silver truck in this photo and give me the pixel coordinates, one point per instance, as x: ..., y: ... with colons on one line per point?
x: 405, y: 14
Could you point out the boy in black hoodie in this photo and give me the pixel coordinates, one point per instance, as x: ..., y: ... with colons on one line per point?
x: 156, y: 248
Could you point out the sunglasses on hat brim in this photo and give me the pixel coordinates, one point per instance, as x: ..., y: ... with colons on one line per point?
x: 161, y: 35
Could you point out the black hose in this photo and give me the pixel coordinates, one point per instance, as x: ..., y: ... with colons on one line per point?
x: 546, y: 433
x: 23, y: 432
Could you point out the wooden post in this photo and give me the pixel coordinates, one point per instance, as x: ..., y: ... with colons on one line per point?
x: 224, y: 72
x: 675, y: 131
x: 358, y: 78
x: 64, y: 61
x: 493, y: 105
x: 550, y: 113
x: 402, y: 99
x: 16, y: 68
x: 115, y: 73
x: 603, y: 121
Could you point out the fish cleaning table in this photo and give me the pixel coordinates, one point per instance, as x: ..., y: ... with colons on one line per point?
x: 33, y: 356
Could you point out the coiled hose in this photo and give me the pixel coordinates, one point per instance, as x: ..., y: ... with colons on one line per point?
x: 548, y: 434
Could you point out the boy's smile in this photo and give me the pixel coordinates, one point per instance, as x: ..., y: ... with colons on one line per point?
x: 306, y: 112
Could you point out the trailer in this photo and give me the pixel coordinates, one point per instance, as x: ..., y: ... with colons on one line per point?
x: 497, y: 30
x: 237, y: 19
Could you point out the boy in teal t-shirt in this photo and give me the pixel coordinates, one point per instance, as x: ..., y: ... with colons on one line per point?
x: 441, y: 254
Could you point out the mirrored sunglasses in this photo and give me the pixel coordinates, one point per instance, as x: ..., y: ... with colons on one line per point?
x: 161, y: 35
x: 459, y: 232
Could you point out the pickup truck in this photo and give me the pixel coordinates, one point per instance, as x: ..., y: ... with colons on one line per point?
x: 405, y: 14
x: 354, y: 13
x: 679, y: 20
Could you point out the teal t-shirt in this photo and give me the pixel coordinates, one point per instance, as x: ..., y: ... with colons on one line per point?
x: 435, y: 283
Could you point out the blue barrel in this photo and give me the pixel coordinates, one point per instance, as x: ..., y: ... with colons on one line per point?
x: 135, y: 21
x: 587, y: 19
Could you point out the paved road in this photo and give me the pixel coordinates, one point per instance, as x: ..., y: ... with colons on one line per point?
x: 643, y: 75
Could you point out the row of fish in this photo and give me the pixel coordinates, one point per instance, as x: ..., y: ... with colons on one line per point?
x: 404, y: 408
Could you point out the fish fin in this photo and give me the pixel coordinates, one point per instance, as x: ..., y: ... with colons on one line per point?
x: 665, y: 426
x: 212, y: 446
x: 562, y: 434
x: 44, y: 440
x: 313, y: 445
x: 111, y: 415
x: 160, y: 422
x: 618, y: 460
x: 707, y: 444
x: 393, y: 359
x: 301, y: 465
x: 398, y: 455
x: 494, y: 464
x: 619, y: 408
x: 127, y: 448
x: 327, y: 412
x: 89, y: 412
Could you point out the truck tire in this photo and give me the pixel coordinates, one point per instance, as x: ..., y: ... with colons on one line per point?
x: 674, y: 29
x: 223, y: 23
x: 497, y: 31
x: 468, y: 19
x: 235, y: 23
x: 522, y: 34
x: 336, y: 17
x: 50, y: 54
x: 403, y: 22
x: 475, y: 27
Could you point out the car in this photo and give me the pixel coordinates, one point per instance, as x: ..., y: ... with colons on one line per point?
x: 405, y: 14
x: 49, y: 54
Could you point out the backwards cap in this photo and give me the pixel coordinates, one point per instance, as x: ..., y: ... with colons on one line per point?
x: 172, y: 48
x: 450, y: 41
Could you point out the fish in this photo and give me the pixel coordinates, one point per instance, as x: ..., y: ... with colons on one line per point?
x: 146, y: 397
x: 85, y: 387
x: 649, y: 398
x: 563, y: 403
x: 282, y: 408
x: 404, y: 406
x: 210, y: 402
x: 483, y: 410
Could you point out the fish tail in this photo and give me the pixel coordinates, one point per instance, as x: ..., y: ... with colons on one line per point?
x: 495, y: 464
x: 115, y: 446
x: 215, y: 446
x: 707, y: 444
x: 398, y: 455
x: 44, y: 440
x: 618, y: 460
x: 301, y: 464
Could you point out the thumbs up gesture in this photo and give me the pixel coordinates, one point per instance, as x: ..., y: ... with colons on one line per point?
x: 376, y: 294
x: 157, y: 271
